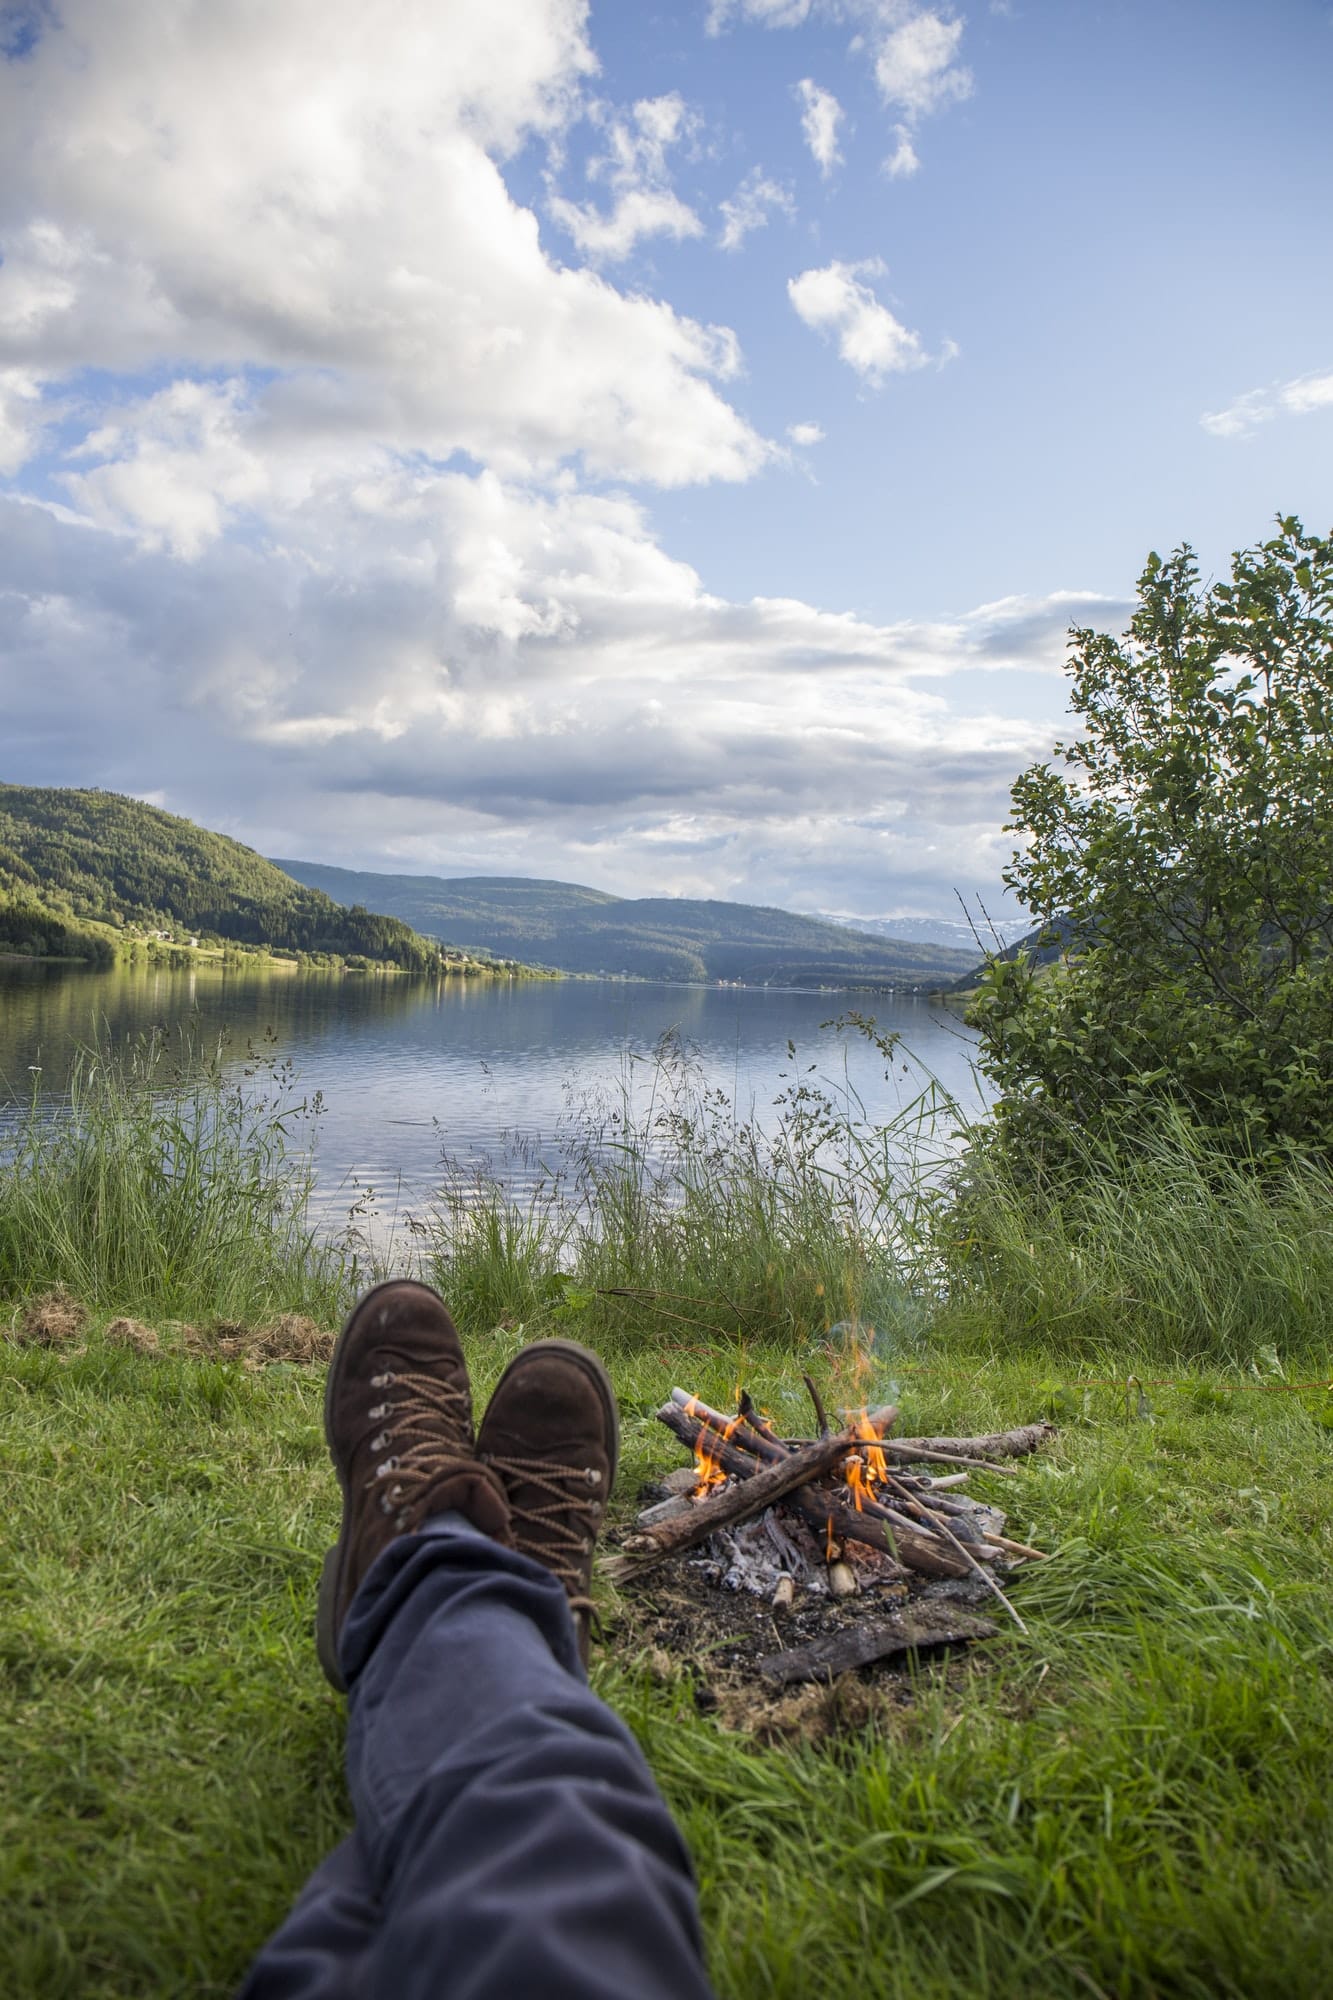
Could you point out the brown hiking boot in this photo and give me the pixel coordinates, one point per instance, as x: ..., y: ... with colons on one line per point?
x: 551, y: 1432
x: 398, y: 1418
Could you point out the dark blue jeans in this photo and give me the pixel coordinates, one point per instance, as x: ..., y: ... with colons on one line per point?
x: 509, y: 1840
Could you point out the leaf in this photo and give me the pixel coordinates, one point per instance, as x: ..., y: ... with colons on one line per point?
x: 1059, y: 1402
x: 566, y: 1295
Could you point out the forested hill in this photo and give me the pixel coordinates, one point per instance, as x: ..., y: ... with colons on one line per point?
x: 584, y: 930
x: 96, y: 856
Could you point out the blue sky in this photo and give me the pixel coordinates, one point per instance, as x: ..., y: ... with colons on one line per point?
x: 660, y: 447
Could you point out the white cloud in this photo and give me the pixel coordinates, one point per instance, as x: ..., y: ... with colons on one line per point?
x: 1308, y: 392
x: 914, y: 51
x: 835, y: 300
x: 291, y: 190
x: 636, y: 168
x: 1296, y: 398
x: 805, y: 434
x: 902, y: 161
x: 638, y: 213
x: 821, y: 115
x: 916, y: 67
x: 175, y: 468
x: 20, y: 417
x: 768, y: 13
x: 444, y: 664
x: 749, y: 208
x: 284, y: 239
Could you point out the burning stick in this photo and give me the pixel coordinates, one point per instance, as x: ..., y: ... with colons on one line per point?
x: 755, y: 1419
x: 745, y: 1427
x: 730, y: 1505
x: 906, y: 1544
x: 820, y: 1510
x: 876, y: 1501
x: 877, y: 1421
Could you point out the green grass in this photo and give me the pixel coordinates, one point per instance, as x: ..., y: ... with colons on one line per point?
x: 684, y: 1222
x: 166, y: 1186
x: 1173, y: 1244
x: 172, y: 1187
x: 1134, y: 1800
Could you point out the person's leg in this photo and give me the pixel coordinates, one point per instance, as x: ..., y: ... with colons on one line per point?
x: 319, y: 1952
x: 510, y: 1838
x: 509, y: 1835
x: 512, y: 1831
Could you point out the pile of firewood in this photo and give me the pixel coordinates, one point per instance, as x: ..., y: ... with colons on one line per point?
x: 854, y: 1484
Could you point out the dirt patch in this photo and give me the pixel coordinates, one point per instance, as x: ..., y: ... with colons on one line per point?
x: 53, y: 1320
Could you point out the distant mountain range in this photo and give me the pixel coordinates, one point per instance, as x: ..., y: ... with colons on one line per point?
x: 81, y: 871
x: 1043, y: 947
x: 576, y: 929
x: 955, y: 932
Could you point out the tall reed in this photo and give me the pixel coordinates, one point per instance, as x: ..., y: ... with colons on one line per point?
x: 671, y: 1219
x: 675, y: 1221
x: 169, y: 1184
x: 163, y: 1184
x: 1166, y: 1246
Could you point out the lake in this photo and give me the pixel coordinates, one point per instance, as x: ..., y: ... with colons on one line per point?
x: 485, y: 1071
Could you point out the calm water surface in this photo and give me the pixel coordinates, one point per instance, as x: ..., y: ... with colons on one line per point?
x: 411, y: 1071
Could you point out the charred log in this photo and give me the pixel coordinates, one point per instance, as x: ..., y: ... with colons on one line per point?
x: 871, y: 1640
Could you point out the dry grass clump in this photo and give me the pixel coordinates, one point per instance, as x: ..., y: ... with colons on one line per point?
x: 53, y: 1319
x: 56, y: 1319
x: 290, y: 1337
x: 133, y: 1333
x: 294, y: 1337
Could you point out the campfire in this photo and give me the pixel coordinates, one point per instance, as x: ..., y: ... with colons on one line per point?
x: 852, y: 1514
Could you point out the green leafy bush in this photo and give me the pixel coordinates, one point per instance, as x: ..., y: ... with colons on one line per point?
x: 1184, y: 852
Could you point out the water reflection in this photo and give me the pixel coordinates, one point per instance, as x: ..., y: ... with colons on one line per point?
x: 410, y: 1070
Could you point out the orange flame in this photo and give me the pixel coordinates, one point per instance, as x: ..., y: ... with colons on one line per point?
x: 877, y: 1466
x: 855, y: 1475
x: 865, y: 1471
x: 709, y: 1470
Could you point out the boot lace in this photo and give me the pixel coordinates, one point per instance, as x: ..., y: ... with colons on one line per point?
x: 423, y: 1447
x: 560, y: 1529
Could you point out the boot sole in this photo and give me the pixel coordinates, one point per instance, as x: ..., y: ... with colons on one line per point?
x: 331, y: 1575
